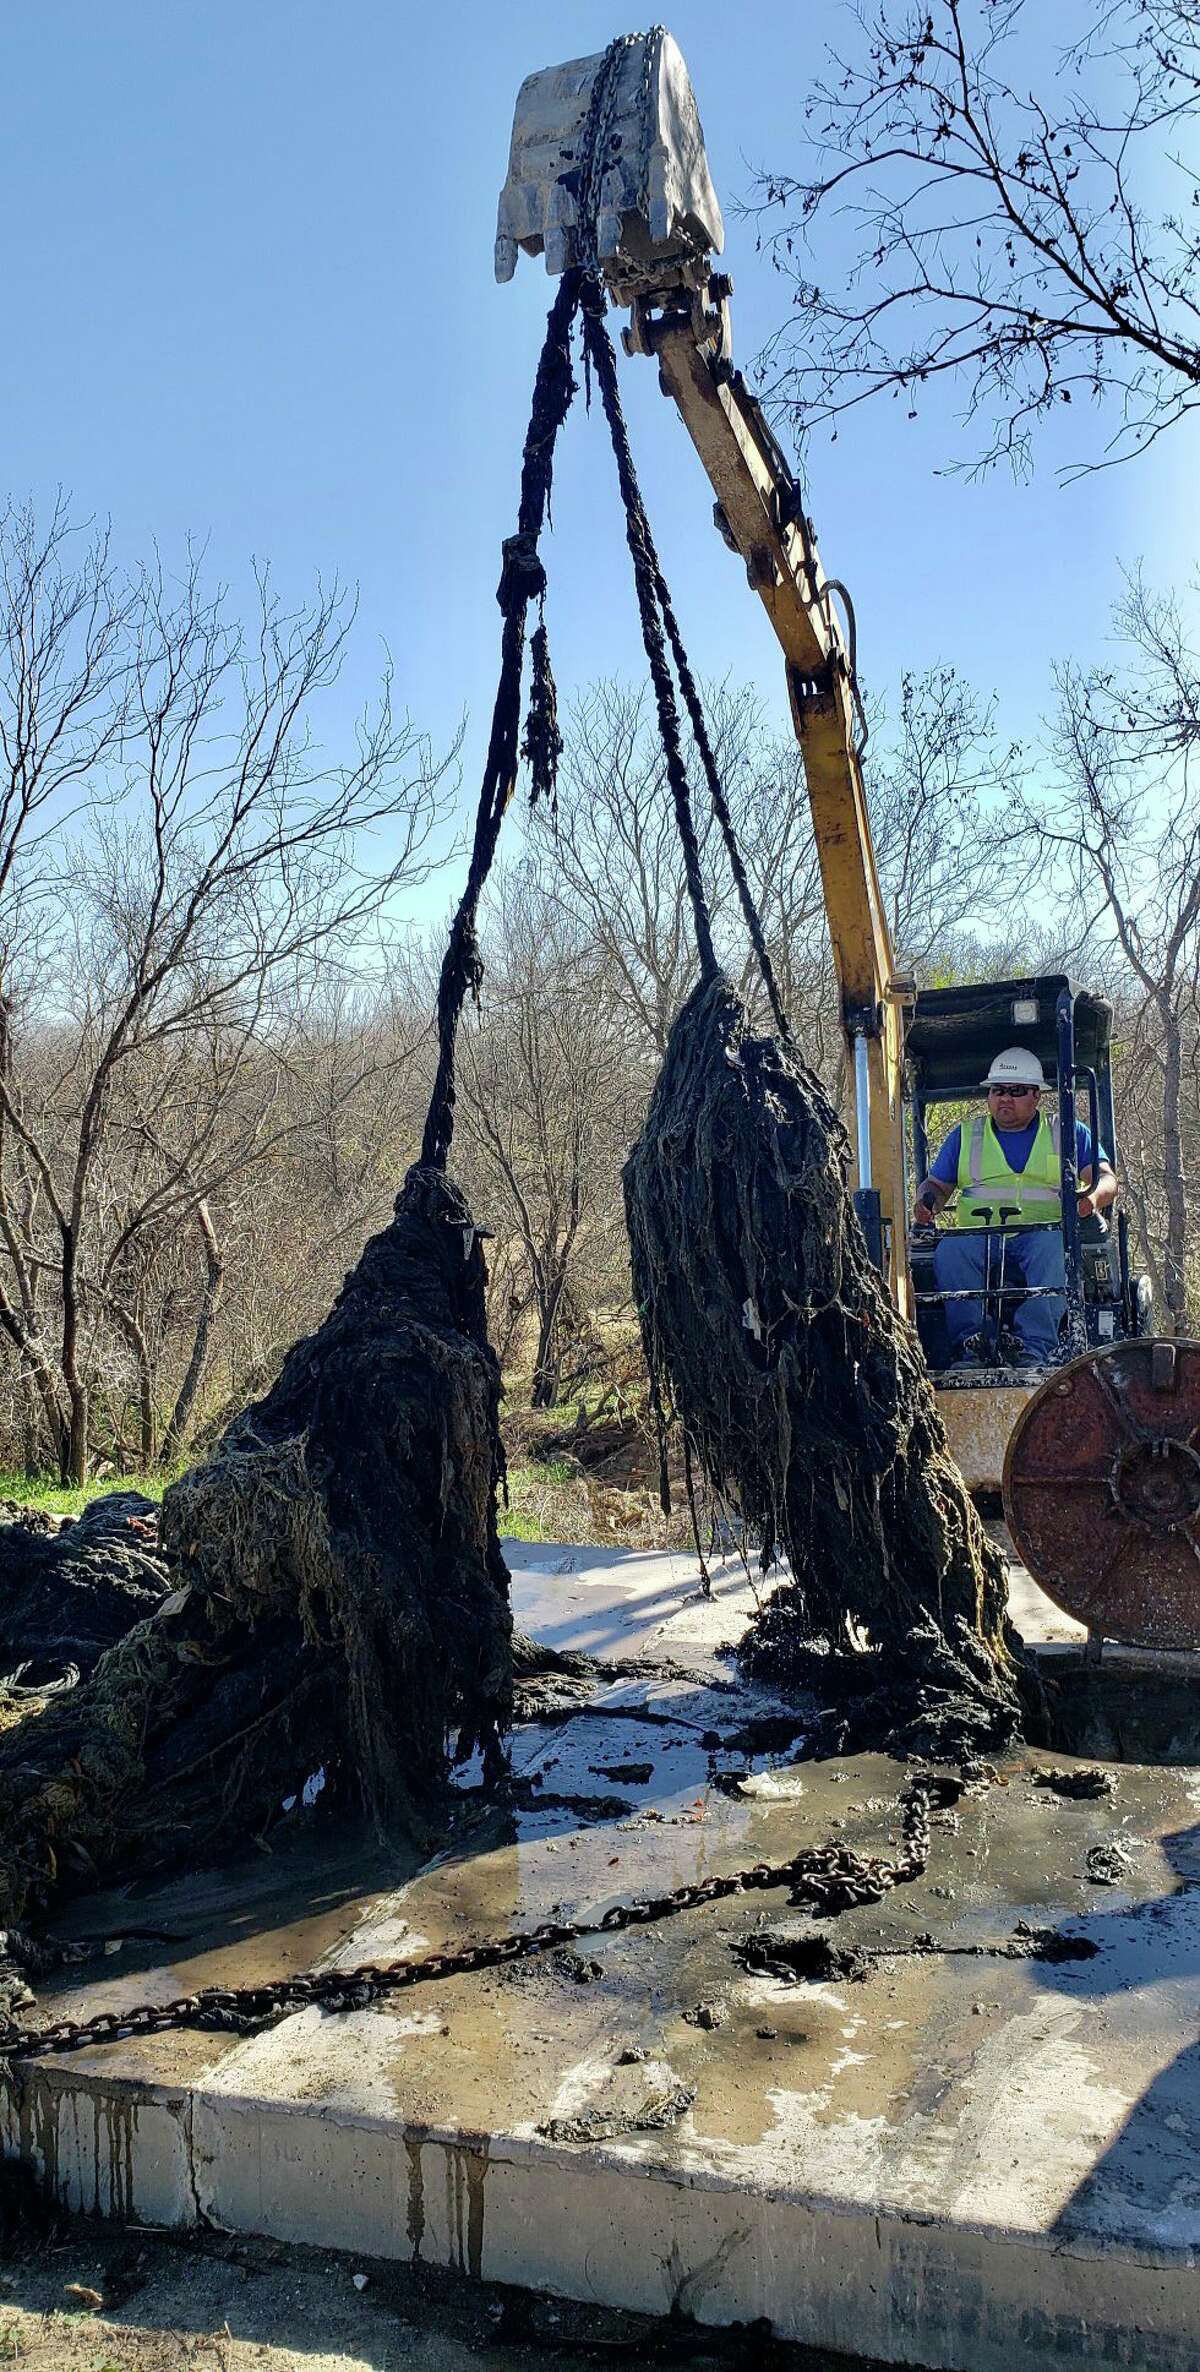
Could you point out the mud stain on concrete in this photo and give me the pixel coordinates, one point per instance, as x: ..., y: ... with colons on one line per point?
x: 114, y: 2127
x: 81, y: 2142
x: 36, y: 2107
x: 415, y: 2225
x: 466, y: 2171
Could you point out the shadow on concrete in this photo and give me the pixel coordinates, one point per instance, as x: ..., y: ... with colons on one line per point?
x: 614, y: 1622
x: 296, y: 1901
x: 1146, y: 2185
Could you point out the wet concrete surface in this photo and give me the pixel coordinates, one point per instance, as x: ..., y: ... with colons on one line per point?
x: 960, y: 2159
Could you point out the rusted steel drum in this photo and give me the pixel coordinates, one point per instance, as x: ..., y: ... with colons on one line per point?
x: 1102, y: 1491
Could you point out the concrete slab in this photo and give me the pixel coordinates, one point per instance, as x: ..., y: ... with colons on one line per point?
x: 966, y: 2160
x: 616, y: 1602
x: 619, y: 1602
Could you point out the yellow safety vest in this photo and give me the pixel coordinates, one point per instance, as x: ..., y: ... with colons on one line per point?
x: 986, y: 1180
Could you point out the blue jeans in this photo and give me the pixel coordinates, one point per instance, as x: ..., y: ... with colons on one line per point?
x: 960, y: 1261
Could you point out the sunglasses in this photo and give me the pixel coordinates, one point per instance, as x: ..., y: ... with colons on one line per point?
x: 1015, y: 1094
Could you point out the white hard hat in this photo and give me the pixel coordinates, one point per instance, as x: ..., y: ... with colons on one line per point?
x: 1016, y: 1067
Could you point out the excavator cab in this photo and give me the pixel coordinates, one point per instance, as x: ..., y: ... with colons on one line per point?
x: 952, y: 1036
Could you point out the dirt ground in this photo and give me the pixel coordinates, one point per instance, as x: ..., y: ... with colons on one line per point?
x: 90, y: 2299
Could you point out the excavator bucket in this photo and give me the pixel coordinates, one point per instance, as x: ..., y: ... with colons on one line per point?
x: 657, y: 218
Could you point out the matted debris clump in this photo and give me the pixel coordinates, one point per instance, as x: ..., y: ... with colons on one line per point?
x: 71, y: 1587
x: 803, y: 1394
x: 342, y: 1601
x: 343, y: 1606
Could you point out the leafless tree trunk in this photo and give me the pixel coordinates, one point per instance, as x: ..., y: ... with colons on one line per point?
x: 210, y: 887
x: 176, y: 1434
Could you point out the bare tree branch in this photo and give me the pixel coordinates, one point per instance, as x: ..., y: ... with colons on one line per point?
x: 948, y: 224
x: 182, y: 871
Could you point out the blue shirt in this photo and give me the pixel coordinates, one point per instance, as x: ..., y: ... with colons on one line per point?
x: 1016, y: 1144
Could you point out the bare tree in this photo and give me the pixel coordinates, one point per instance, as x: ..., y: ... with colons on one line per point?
x: 348, y: 1115
x: 1122, y: 836
x: 549, y: 1086
x: 942, y: 788
x: 940, y: 781
x: 769, y: 801
x: 1035, y: 246
x: 210, y: 868
x: 610, y: 855
x: 613, y: 849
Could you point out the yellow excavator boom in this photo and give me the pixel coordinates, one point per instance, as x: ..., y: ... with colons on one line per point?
x: 624, y: 125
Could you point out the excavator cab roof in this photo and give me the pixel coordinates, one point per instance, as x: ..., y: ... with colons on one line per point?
x: 954, y: 1033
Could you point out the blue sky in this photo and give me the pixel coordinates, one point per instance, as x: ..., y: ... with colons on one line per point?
x: 249, y: 297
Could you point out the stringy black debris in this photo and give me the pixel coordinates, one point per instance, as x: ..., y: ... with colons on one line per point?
x: 772, y: 1337
x: 814, y: 1960
x: 542, y: 746
x: 522, y: 580
x: 660, y: 2106
x: 1089, y: 1786
x: 659, y: 628
x: 801, y: 1959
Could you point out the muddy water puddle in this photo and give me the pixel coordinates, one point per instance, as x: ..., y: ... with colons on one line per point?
x: 865, y: 2049
x: 546, y: 2038
x: 260, y: 1918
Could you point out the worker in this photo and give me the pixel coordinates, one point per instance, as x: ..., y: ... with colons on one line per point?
x: 1004, y: 1166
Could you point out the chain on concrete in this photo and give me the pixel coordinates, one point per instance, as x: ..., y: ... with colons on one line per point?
x: 828, y: 1879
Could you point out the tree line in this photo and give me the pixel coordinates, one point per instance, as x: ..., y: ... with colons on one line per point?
x: 215, y: 1051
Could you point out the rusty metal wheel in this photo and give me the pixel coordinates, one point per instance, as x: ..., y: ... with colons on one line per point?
x: 1102, y: 1491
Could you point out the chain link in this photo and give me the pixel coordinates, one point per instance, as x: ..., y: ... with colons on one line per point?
x: 598, y: 132
x: 828, y: 1878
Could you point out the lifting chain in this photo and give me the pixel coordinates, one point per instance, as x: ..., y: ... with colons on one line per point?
x: 597, y: 133
x: 827, y: 1879
x: 596, y: 143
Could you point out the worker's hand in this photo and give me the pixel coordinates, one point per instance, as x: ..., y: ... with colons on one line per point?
x: 925, y: 1214
x: 1086, y: 1205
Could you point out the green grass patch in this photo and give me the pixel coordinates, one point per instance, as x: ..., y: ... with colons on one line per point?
x: 546, y: 1502
x: 65, y: 1499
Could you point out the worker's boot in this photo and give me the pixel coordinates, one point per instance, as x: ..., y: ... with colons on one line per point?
x: 968, y: 1355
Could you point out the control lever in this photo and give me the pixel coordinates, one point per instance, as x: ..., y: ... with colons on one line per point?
x: 988, y: 1334
x: 1007, y: 1211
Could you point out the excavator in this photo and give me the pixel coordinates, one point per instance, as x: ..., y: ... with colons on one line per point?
x: 1098, y: 1458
